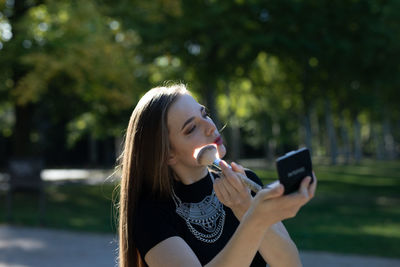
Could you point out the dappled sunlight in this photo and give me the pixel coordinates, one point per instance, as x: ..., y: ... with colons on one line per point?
x: 75, y: 174
x: 38, y: 247
x: 378, y: 229
x: 387, y: 201
x: 345, y: 230
x: 355, y: 179
x: 390, y: 230
x: 26, y: 244
x: 83, y: 221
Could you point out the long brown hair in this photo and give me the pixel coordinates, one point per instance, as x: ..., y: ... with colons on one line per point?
x: 144, y: 163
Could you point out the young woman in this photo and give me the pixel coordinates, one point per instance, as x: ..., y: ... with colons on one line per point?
x: 175, y: 212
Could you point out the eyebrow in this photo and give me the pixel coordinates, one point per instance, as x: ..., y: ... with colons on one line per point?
x: 191, y: 118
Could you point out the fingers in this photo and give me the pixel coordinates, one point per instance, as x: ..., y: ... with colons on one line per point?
x: 237, y: 168
x: 221, y: 191
x: 272, y: 192
x: 224, y: 166
x: 306, y: 190
x: 313, y: 186
x: 281, y: 206
x: 304, y: 185
x: 232, y: 177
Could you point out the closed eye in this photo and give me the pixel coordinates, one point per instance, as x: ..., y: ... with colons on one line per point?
x: 191, y: 129
x: 204, y: 114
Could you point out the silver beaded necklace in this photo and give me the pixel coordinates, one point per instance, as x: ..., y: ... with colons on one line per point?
x: 207, y: 215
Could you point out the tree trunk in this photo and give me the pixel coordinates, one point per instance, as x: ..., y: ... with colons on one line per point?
x: 331, y: 132
x: 276, y: 130
x: 208, y: 73
x: 346, y: 142
x: 235, y: 140
x: 308, y: 131
x: 315, y: 129
x: 22, y: 145
x: 378, y: 144
x: 234, y: 129
x: 267, y: 137
x: 389, y: 140
x: 357, y: 140
x: 211, y: 105
x: 93, y: 150
x: 271, y: 150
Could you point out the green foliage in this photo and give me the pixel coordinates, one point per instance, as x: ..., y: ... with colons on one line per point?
x: 262, y: 66
x: 73, y: 56
x: 7, y: 120
x: 76, y: 45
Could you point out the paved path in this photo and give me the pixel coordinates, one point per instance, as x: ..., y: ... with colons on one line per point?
x: 35, y: 247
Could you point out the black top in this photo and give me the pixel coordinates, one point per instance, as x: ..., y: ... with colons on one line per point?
x: 157, y: 220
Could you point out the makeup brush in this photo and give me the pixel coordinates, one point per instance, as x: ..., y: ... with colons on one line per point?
x: 208, y: 155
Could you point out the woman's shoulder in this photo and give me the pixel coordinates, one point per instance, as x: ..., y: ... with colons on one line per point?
x: 150, y: 204
x: 154, y: 222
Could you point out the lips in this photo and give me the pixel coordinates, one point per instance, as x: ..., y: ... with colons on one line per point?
x: 218, y: 141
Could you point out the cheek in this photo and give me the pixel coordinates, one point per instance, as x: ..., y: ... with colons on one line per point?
x: 185, y: 150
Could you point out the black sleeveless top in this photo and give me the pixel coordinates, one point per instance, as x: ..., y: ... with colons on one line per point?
x: 157, y: 220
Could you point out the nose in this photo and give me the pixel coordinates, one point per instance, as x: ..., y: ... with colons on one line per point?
x: 209, y: 127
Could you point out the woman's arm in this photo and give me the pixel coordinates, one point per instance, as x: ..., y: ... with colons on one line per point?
x: 277, y: 248
x: 239, y: 251
x: 267, y: 208
x: 173, y: 251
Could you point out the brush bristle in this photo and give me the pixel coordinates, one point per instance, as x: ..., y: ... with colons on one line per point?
x: 206, y: 155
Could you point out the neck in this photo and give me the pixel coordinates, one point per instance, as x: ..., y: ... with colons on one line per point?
x: 190, y: 175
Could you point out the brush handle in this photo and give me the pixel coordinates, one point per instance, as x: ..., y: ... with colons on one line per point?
x: 253, y: 186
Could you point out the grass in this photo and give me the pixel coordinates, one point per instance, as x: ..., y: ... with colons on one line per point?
x: 356, y: 209
x: 71, y: 206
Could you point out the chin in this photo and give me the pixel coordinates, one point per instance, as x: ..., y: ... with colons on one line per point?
x: 221, y: 151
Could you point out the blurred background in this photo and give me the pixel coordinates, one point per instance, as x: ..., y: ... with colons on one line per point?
x: 277, y: 75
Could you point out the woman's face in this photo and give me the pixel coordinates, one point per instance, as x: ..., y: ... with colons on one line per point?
x: 189, y: 128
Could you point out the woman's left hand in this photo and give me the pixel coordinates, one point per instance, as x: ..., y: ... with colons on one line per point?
x: 231, y: 191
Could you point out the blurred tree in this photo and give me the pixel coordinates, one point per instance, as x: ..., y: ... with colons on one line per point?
x: 12, y: 70
x: 268, y: 68
x: 326, y: 49
x: 67, y: 62
x: 214, y: 40
x: 335, y: 55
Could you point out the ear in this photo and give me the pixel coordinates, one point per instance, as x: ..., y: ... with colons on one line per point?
x: 172, y: 159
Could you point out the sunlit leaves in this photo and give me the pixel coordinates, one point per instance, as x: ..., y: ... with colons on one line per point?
x: 7, y: 120
x: 76, y: 52
x: 5, y: 30
x: 80, y: 45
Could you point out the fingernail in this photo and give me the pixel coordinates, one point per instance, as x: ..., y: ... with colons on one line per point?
x: 222, y: 162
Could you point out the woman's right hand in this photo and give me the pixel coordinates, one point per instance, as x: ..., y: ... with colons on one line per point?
x: 270, y: 206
